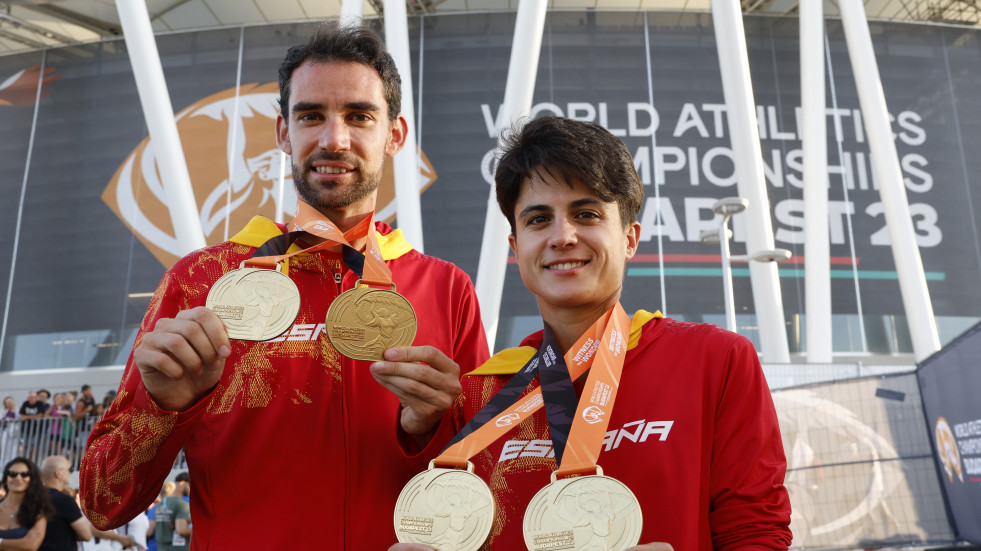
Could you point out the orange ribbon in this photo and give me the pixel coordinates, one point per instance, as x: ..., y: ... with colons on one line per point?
x: 601, y: 350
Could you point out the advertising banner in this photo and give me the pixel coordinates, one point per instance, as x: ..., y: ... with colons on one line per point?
x: 949, y: 382
x: 859, y: 470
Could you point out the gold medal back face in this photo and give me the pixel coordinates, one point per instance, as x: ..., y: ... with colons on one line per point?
x: 255, y: 304
x: 583, y: 513
x: 448, y: 509
x: 362, y: 322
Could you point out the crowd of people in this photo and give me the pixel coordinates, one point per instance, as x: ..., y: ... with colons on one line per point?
x: 47, y: 424
x: 39, y: 511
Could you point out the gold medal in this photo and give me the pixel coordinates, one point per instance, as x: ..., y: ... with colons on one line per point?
x: 584, y: 512
x: 449, y: 509
x: 362, y: 322
x: 255, y: 304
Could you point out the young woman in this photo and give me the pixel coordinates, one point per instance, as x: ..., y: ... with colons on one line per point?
x: 25, y: 510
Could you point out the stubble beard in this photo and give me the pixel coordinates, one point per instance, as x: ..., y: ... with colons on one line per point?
x: 334, y: 195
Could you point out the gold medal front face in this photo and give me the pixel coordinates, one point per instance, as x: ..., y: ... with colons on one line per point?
x: 255, y: 304
x: 362, y: 322
x: 448, y: 509
x: 582, y: 513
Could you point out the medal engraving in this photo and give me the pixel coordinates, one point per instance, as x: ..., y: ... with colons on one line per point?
x: 255, y: 304
x: 362, y: 322
x: 583, y: 513
x: 448, y: 509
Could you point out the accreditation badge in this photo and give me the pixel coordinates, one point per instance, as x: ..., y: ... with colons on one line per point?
x: 448, y: 509
x: 362, y: 322
x: 255, y: 304
x: 583, y: 512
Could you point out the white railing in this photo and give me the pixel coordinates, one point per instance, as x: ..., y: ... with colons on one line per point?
x: 37, y: 439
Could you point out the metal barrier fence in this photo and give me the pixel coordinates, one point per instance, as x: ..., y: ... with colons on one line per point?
x: 780, y: 376
x: 39, y: 438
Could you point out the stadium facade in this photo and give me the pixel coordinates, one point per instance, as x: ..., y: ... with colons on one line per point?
x: 90, y: 236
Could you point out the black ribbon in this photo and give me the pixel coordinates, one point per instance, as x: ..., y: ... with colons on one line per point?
x: 557, y: 391
x: 278, y: 246
x: 560, y: 397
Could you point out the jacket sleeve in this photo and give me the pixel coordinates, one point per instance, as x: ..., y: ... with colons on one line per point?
x: 132, y: 448
x: 750, y: 507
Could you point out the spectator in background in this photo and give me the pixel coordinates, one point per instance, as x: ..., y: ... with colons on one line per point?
x: 106, y: 402
x: 44, y: 395
x: 25, y: 510
x: 33, y: 408
x: 86, y: 404
x: 9, y: 409
x: 9, y: 431
x: 151, y: 539
x: 135, y: 530
x: 173, y: 517
x: 85, y: 415
x: 183, y: 482
x: 67, y: 527
x: 31, y: 411
x: 63, y: 426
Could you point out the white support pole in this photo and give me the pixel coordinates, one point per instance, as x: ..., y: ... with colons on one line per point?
x: 159, y: 115
x: 518, y: 91
x: 889, y: 176
x: 406, y: 162
x: 352, y: 11
x: 817, y: 249
x: 748, y: 158
x: 727, y: 274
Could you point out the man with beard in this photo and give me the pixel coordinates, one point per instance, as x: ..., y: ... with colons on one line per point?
x: 238, y: 407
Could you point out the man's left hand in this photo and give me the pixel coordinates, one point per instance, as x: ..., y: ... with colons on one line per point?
x: 426, y: 381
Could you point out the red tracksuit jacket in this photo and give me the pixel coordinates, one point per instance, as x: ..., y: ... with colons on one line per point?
x: 693, y: 434
x: 296, y: 448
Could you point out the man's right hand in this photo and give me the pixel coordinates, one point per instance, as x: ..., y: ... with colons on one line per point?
x: 182, y: 359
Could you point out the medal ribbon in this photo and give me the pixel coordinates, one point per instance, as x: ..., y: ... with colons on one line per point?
x: 598, y: 395
x: 603, y: 348
x: 369, y: 266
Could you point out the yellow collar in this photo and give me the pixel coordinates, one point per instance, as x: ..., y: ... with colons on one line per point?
x: 260, y: 229
x: 510, y: 360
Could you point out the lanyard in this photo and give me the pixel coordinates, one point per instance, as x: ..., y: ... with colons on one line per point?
x: 601, y: 351
x: 370, y: 267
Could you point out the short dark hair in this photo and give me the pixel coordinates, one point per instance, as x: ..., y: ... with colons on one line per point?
x: 86, y: 387
x: 572, y: 151
x: 351, y: 43
x: 182, y: 477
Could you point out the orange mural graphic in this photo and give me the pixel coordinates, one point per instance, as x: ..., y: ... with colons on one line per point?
x: 20, y: 89
x: 235, y: 167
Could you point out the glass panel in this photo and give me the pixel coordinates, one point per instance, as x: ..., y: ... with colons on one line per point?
x: 18, y: 91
